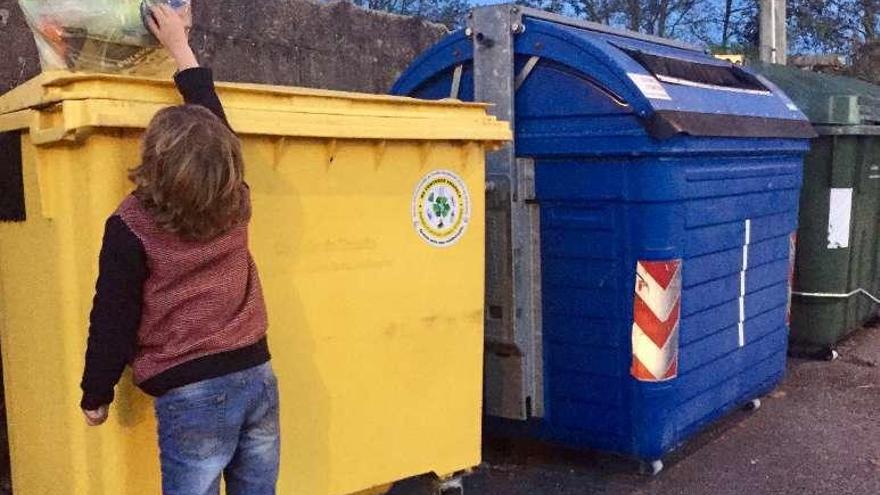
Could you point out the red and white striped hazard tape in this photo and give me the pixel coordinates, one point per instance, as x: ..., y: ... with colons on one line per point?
x: 656, y: 318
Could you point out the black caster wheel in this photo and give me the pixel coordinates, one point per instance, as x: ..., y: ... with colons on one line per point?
x: 452, y: 486
x: 652, y: 468
x: 753, y: 405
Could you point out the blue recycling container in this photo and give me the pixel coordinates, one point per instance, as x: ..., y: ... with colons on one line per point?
x: 667, y: 186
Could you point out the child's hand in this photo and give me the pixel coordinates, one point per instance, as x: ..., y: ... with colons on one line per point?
x: 97, y: 417
x: 171, y: 28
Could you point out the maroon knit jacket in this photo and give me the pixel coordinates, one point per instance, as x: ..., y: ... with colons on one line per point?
x: 177, y: 311
x: 201, y: 298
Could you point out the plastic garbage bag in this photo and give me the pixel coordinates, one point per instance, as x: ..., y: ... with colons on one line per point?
x: 98, y: 35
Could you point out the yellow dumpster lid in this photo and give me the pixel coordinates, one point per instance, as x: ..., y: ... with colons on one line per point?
x: 62, y: 105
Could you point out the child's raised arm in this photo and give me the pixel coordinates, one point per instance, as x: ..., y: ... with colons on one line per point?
x: 171, y: 28
x: 196, y: 84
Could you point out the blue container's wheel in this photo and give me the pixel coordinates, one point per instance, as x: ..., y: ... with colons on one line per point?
x: 753, y: 405
x: 651, y: 468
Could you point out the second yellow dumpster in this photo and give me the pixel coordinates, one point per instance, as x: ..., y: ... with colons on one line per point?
x: 374, y: 289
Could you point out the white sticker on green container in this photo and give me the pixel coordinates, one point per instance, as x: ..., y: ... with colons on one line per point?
x: 650, y: 86
x: 441, y: 208
x: 839, y: 218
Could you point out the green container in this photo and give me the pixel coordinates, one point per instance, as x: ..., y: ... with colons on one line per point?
x: 836, y: 272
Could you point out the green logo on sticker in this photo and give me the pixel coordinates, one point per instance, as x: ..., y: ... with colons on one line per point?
x: 441, y: 208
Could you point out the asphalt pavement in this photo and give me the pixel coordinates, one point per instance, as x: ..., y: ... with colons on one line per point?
x: 818, y: 433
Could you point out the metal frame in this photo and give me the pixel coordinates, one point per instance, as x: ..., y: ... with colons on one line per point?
x: 514, y: 364
x: 514, y: 357
x: 594, y: 26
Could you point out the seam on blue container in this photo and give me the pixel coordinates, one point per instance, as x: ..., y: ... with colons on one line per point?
x: 740, y: 220
x: 558, y: 367
x: 702, y: 255
x: 551, y: 285
x: 692, y: 428
x: 792, y: 211
x: 580, y: 345
x: 714, y: 384
x: 570, y: 400
x: 721, y: 379
x: 690, y: 178
x: 734, y: 224
x: 772, y: 283
x: 752, y: 270
x: 737, y: 247
x: 785, y: 236
x: 780, y: 330
x: 728, y: 301
x: 731, y: 326
x: 580, y: 341
x: 733, y: 273
x: 768, y: 335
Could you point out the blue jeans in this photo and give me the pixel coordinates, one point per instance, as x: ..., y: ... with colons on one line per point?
x: 223, y: 426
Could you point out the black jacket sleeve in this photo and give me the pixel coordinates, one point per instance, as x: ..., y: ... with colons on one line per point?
x: 196, y: 85
x: 116, y: 313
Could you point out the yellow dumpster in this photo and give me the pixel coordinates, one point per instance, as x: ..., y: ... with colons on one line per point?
x: 374, y: 289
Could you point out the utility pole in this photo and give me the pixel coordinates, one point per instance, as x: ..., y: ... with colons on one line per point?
x: 773, y: 37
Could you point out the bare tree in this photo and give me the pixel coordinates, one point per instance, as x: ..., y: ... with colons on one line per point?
x: 691, y: 20
x: 448, y: 12
x: 869, y: 12
x: 603, y: 11
x: 827, y: 25
x: 725, y: 23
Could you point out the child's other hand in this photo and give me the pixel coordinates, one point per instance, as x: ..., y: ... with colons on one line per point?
x: 98, y: 416
x: 171, y: 28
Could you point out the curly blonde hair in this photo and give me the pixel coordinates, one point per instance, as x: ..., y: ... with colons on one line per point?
x: 191, y: 177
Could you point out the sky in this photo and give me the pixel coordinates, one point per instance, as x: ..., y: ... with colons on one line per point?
x: 712, y: 29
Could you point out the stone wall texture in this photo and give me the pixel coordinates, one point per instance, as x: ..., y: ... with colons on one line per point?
x: 330, y: 45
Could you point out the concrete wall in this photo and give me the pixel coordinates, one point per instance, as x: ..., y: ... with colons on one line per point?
x: 18, y: 54
x: 291, y: 42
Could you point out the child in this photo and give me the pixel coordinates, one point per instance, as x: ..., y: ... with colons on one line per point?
x: 178, y: 296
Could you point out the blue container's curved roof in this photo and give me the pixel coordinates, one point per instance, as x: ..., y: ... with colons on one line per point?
x: 655, y: 79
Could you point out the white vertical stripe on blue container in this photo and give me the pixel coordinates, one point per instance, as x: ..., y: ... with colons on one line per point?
x: 742, y: 283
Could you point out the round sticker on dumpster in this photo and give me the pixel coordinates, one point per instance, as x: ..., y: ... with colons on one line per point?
x: 441, y: 208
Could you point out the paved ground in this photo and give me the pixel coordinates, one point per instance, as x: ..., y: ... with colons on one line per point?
x: 818, y: 434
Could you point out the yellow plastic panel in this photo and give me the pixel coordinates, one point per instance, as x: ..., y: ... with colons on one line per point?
x: 376, y: 335
x: 48, y: 267
x: 91, y: 100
